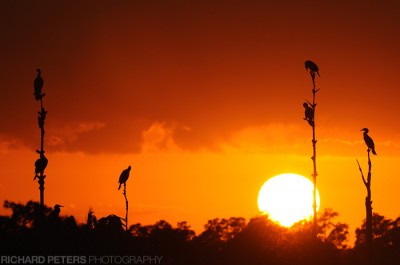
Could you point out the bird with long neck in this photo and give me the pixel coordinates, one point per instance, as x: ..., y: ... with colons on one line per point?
x: 124, y: 176
x: 55, y: 213
x: 368, y: 141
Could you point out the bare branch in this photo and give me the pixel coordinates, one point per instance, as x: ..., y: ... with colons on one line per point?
x: 369, y: 167
x: 362, y: 174
x: 126, y: 207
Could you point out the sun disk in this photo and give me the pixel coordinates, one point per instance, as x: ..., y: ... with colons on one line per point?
x: 287, y: 198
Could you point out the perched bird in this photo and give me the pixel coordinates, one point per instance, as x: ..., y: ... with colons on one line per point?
x: 55, y: 213
x: 41, y: 118
x: 40, y: 165
x: 310, y: 65
x: 124, y: 176
x: 37, y: 85
x: 368, y: 141
x: 308, y: 113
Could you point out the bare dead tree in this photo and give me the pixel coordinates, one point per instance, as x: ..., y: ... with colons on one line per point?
x: 368, y: 207
x: 122, y: 180
x: 126, y: 208
x: 41, y: 163
x: 310, y: 118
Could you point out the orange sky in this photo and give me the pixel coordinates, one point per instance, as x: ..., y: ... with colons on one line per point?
x: 203, y: 99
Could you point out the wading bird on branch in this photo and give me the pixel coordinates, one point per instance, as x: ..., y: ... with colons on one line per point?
x: 124, y: 176
x: 368, y: 141
x: 55, y: 213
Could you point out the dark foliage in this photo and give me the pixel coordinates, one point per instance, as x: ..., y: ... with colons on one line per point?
x: 224, y: 241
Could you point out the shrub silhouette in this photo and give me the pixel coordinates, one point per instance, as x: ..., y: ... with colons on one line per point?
x: 224, y: 241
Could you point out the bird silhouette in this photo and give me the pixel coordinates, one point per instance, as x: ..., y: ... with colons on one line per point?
x: 308, y: 113
x: 124, y: 176
x: 310, y: 65
x: 40, y: 165
x: 37, y: 85
x: 55, y: 213
x: 41, y: 118
x: 368, y: 140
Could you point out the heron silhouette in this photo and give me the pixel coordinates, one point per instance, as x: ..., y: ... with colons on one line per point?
x: 124, y: 176
x: 310, y: 65
x: 38, y: 85
x: 55, y: 213
x: 368, y: 140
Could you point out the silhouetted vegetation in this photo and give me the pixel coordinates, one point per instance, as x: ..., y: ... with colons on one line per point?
x: 224, y: 241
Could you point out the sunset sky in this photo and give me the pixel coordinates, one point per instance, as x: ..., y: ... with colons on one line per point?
x: 203, y: 99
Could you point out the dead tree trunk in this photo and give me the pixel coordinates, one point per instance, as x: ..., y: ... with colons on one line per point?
x: 368, y: 209
x: 314, y: 159
x: 310, y: 118
x: 42, y: 176
x: 126, y: 208
x: 41, y: 163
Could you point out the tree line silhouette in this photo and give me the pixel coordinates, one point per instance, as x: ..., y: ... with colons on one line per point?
x: 27, y: 231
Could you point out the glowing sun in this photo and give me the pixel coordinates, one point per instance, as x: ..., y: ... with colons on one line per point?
x: 287, y: 198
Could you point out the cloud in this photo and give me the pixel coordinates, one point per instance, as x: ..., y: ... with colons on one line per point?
x: 341, y: 141
x: 390, y: 144
x: 293, y: 138
x: 71, y: 132
x: 275, y: 137
x: 8, y: 144
x: 159, y: 137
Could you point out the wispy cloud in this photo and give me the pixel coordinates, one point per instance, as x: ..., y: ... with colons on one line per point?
x: 8, y: 144
x: 70, y: 132
x: 340, y: 141
x: 159, y: 137
x: 390, y: 144
x: 271, y: 138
